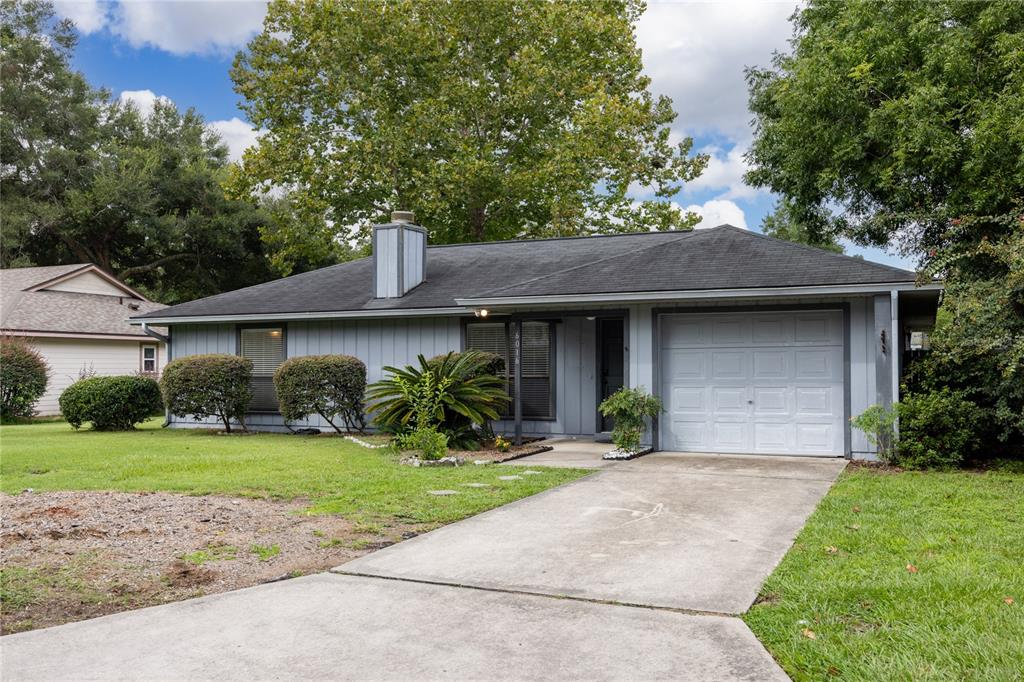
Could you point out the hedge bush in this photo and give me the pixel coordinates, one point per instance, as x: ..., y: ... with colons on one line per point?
x: 936, y: 429
x: 115, y: 403
x: 631, y: 408
x: 214, y: 385
x: 331, y: 386
x: 23, y: 378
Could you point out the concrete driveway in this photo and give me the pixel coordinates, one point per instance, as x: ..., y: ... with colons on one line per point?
x: 693, y: 534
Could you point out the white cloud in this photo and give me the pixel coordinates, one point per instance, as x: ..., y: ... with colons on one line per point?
x: 143, y: 100
x: 180, y: 27
x: 724, y: 172
x: 237, y: 134
x: 89, y: 15
x: 695, y: 53
x: 715, y: 212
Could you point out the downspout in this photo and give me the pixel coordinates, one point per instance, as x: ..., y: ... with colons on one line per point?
x: 167, y: 341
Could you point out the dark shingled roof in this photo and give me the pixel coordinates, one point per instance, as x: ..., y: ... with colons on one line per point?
x: 724, y: 257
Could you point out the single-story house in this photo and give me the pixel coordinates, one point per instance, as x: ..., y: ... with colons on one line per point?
x: 755, y: 345
x: 76, y: 316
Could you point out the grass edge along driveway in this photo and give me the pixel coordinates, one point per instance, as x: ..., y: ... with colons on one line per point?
x: 336, y: 475
x: 899, y: 576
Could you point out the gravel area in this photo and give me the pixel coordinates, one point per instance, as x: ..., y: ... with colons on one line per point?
x: 69, y: 556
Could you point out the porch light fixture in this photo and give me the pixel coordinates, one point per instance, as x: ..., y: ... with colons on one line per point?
x: 482, y: 312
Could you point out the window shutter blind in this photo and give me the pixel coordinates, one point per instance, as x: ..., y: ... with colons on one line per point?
x: 494, y: 337
x: 265, y: 348
x: 536, y: 393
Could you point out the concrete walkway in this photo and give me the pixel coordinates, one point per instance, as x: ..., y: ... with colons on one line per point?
x: 485, y: 598
x: 691, y: 532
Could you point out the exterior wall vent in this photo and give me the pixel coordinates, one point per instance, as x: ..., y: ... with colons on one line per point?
x: 399, y: 256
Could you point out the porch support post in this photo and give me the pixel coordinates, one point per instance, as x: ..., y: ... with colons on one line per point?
x: 517, y: 374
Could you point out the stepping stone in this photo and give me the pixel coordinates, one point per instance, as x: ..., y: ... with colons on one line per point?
x: 531, y: 472
x: 477, y: 485
x: 443, y: 493
x: 510, y: 478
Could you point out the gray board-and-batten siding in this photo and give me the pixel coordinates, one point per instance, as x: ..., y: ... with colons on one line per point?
x: 397, y: 342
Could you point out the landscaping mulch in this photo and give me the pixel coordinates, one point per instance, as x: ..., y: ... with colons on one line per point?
x: 68, y: 556
x: 495, y: 456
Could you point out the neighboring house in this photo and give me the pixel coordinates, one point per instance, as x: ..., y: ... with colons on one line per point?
x: 77, y: 317
x: 755, y: 345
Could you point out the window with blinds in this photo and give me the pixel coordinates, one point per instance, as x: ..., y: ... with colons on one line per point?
x: 264, y: 346
x: 538, y: 385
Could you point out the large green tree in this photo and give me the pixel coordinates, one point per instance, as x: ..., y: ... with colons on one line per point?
x: 785, y: 223
x: 489, y: 120
x: 890, y: 118
x: 88, y: 179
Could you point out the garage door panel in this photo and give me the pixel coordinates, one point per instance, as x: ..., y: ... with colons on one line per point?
x: 730, y: 332
x: 686, y: 365
x: 728, y: 365
x: 756, y: 382
x: 729, y: 435
x: 772, y: 437
x: 817, y: 364
x: 774, y: 330
x: 771, y: 364
x: 814, y: 400
x: 689, y: 399
x: 814, y: 437
x: 729, y: 399
x: 771, y: 400
x: 689, y: 435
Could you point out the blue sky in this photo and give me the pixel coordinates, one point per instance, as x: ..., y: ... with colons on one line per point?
x: 694, y: 52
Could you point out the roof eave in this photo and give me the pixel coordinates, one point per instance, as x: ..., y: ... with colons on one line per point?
x: 300, y: 316
x: 697, y: 294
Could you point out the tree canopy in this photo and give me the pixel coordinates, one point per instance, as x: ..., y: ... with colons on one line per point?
x: 489, y: 120
x: 889, y: 119
x: 87, y: 179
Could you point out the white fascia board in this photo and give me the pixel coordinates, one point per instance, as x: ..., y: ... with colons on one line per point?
x: 645, y: 296
x: 85, y: 336
x: 285, y: 317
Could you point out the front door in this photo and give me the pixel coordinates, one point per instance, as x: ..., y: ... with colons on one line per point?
x: 611, y: 335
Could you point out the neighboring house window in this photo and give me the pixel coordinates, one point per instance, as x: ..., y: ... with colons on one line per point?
x: 538, y: 347
x: 149, y: 359
x: 265, y: 347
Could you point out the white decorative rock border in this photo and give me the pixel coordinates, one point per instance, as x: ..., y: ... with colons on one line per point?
x: 360, y: 441
x: 618, y: 454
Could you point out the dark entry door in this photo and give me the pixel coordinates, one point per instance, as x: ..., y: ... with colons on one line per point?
x: 611, y: 357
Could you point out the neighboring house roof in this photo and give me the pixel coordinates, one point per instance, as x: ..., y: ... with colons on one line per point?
x: 724, y: 257
x: 27, y: 305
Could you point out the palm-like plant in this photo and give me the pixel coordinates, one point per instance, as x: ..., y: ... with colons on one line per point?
x: 466, y: 396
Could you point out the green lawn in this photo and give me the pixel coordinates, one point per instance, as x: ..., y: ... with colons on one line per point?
x: 903, y: 576
x: 338, y: 476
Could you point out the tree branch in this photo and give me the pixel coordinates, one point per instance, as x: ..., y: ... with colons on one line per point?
x: 139, y: 269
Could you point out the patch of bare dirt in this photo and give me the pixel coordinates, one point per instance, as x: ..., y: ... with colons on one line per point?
x: 74, y: 555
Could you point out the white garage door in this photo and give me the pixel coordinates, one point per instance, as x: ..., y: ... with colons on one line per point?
x: 753, y: 382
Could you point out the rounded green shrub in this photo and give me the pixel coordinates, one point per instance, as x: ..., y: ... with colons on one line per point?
x: 631, y: 408
x: 937, y: 429
x: 331, y: 386
x: 214, y: 385
x: 115, y: 403
x: 23, y: 377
